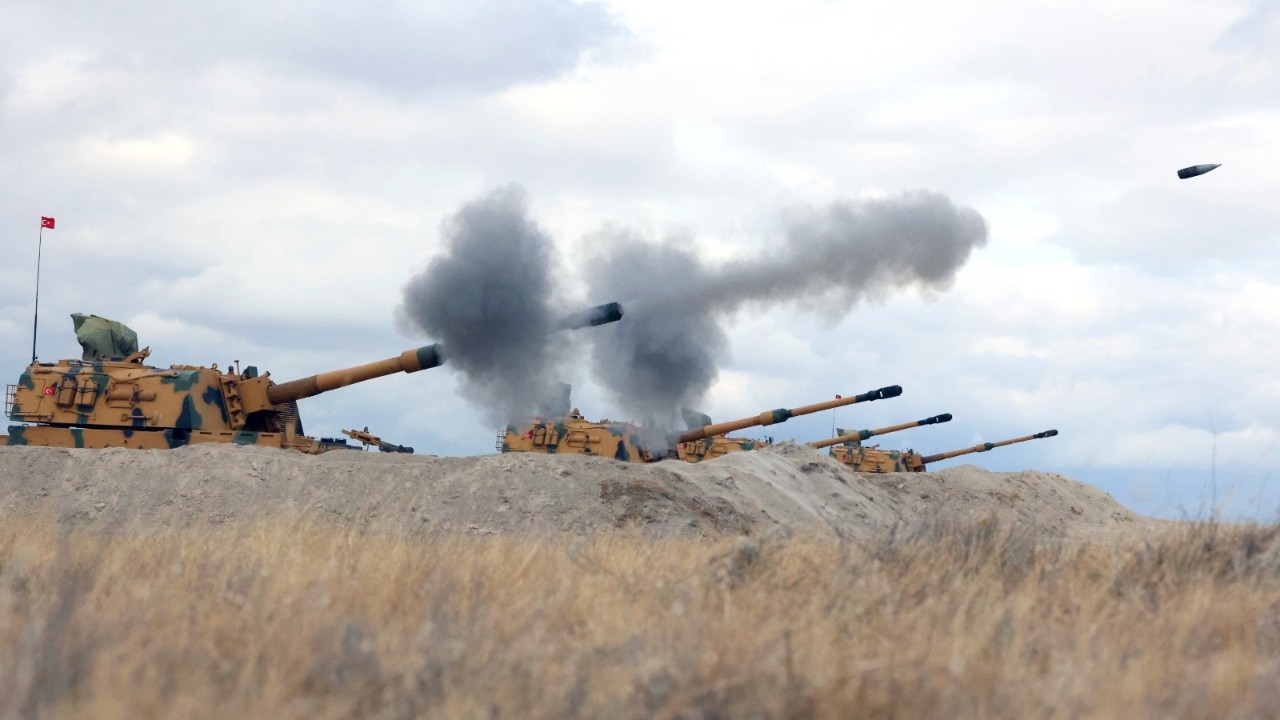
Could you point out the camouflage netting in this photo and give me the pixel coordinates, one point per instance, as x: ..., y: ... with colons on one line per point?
x: 102, y: 338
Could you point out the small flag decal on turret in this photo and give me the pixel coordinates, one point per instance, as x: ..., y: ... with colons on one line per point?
x: 46, y: 222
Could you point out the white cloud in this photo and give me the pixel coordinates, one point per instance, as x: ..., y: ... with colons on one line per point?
x: 1176, y: 445
x: 140, y: 154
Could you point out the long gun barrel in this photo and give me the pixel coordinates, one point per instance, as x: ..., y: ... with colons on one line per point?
x: 770, y: 417
x: 983, y: 447
x: 861, y: 435
x: 409, y: 361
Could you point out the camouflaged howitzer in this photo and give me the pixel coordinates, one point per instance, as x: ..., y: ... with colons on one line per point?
x: 875, y: 460
x: 573, y: 434
x: 630, y: 443
x: 105, y: 401
x: 718, y: 446
x: 715, y: 446
x: 847, y: 441
x: 712, y: 447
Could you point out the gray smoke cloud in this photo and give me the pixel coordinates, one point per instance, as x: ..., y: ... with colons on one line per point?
x: 490, y: 297
x: 488, y: 300
x: 668, y: 350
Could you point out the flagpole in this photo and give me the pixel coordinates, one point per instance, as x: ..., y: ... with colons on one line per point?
x: 35, y: 320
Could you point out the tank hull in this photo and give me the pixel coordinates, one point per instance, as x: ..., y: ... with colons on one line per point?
x: 714, y: 447
x: 578, y: 436
x: 874, y: 460
x: 47, y: 436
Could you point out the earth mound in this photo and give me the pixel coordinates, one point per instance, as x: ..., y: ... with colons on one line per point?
x: 788, y: 487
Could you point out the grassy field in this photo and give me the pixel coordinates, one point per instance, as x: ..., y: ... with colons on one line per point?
x: 289, y: 619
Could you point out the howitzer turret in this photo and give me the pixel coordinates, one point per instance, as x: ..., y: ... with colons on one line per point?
x: 101, y: 401
x: 848, y: 446
x: 857, y: 436
x: 625, y: 441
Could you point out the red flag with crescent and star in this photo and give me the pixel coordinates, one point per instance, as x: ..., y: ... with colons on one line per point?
x: 46, y: 222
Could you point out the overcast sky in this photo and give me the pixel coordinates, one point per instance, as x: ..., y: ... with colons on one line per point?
x: 237, y: 182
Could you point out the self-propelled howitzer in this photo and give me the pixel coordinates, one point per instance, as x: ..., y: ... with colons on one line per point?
x: 574, y: 434
x: 121, y: 402
x: 876, y: 460
x: 849, y: 444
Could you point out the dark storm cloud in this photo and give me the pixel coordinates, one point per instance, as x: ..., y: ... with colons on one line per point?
x: 488, y: 299
x: 667, y: 351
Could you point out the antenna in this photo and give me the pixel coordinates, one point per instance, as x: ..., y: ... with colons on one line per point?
x: 1213, y: 468
x: 35, y: 318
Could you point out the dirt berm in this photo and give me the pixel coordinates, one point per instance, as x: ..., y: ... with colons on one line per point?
x: 789, y: 487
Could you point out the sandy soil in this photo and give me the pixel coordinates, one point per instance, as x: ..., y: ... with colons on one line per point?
x: 788, y: 487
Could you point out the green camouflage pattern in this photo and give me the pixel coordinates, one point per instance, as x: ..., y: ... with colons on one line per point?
x: 574, y: 434
x: 717, y: 446
x: 49, y: 436
x: 126, y: 403
x: 872, y: 459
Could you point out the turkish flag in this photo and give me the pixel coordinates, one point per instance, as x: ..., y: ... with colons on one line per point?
x: 46, y: 222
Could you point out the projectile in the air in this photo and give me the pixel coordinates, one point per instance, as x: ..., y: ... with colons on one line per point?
x: 1194, y: 170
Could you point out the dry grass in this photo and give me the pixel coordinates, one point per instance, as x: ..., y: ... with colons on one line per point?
x: 290, y: 619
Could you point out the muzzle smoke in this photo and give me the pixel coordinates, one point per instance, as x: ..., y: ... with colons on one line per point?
x: 668, y: 351
x: 490, y: 297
